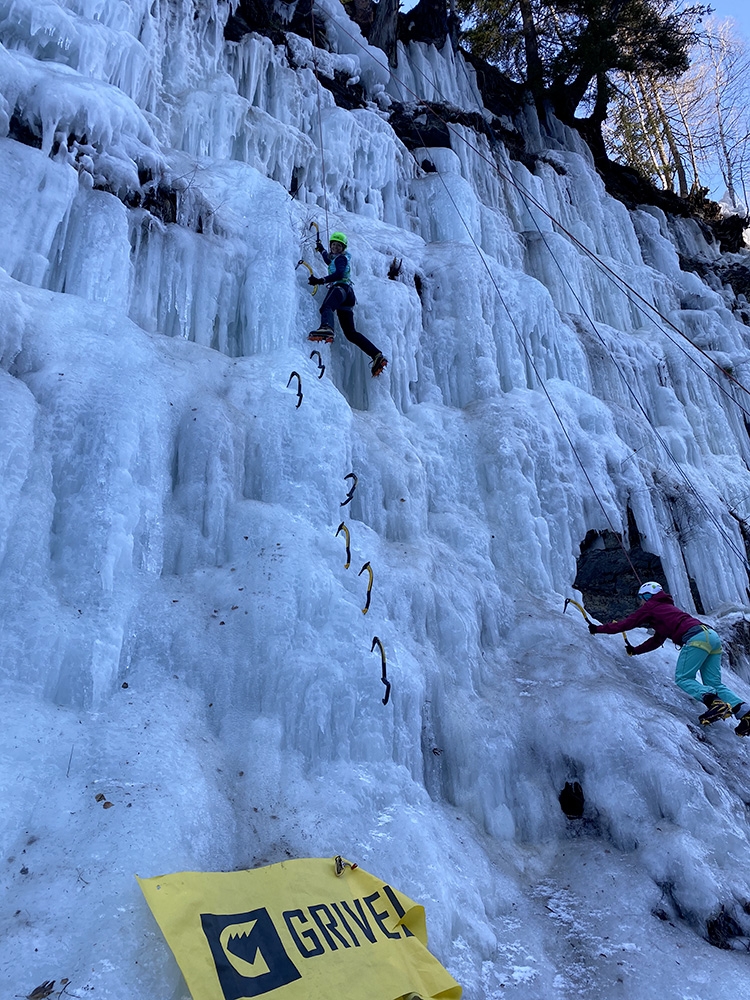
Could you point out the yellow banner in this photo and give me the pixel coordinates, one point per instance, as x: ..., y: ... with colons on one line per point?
x: 296, y: 931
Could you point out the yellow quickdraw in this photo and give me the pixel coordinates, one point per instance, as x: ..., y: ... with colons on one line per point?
x: 343, y: 527
x: 367, y: 567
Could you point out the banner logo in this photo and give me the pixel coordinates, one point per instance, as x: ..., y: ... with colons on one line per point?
x: 248, y: 954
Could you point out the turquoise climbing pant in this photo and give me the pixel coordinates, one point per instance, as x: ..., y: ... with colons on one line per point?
x: 703, y: 653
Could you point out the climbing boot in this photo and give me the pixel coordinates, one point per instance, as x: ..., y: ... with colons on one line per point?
x: 717, y: 709
x: 378, y: 364
x: 324, y: 334
x: 743, y: 729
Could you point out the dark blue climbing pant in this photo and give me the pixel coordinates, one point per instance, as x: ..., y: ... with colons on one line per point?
x: 341, y: 300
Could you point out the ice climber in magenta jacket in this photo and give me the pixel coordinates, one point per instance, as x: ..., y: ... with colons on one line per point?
x: 701, y: 652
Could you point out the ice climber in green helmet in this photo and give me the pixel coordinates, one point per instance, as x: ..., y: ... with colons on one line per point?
x: 341, y: 300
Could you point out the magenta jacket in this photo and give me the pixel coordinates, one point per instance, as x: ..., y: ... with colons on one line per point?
x: 660, y: 614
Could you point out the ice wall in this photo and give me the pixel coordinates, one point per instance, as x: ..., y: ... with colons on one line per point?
x: 179, y: 631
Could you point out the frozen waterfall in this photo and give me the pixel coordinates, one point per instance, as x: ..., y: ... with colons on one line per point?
x: 179, y: 633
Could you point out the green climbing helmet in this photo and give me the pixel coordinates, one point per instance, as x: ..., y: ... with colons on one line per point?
x: 339, y: 238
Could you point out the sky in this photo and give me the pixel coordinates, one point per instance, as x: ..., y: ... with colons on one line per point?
x: 738, y: 9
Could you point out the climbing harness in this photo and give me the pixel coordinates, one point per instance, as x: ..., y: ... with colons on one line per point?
x: 340, y: 865
x: 343, y: 527
x: 350, y: 494
x: 703, y: 642
x: 383, y: 676
x: 321, y: 366
x: 303, y: 263
x: 367, y: 567
x: 299, y: 388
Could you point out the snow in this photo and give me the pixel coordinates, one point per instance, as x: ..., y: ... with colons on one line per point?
x: 179, y: 631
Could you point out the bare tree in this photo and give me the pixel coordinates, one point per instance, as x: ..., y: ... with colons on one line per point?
x: 728, y: 63
x: 692, y: 127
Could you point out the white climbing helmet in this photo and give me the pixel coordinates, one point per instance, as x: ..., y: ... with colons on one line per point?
x: 649, y: 589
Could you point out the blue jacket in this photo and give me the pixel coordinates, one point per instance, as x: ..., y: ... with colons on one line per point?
x: 339, y: 268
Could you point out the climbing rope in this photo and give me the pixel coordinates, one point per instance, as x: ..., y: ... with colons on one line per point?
x: 532, y: 363
x: 528, y: 199
x: 706, y: 509
x: 320, y: 116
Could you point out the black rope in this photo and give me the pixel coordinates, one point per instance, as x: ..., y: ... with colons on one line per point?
x: 616, y: 279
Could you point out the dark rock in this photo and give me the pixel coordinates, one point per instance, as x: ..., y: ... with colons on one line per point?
x: 417, y: 125
x: 572, y: 800
x: 22, y: 131
x: 721, y: 929
x: 260, y: 16
x: 605, y: 576
x: 431, y: 22
x: 735, y: 273
x: 729, y: 232
x: 346, y: 95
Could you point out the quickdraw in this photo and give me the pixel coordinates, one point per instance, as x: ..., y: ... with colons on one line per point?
x: 321, y: 366
x: 340, y: 865
x: 343, y: 527
x: 350, y: 494
x: 367, y: 567
x: 569, y: 600
x: 303, y: 263
x: 383, y: 678
x: 299, y: 388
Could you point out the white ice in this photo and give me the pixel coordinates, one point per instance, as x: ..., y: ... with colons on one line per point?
x: 178, y: 629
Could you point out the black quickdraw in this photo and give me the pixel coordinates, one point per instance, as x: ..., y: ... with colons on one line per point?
x: 343, y: 527
x: 299, y: 388
x: 367, y: 567
x: 340, y: 865
x: 383, y: 678
x: 321, y: 366
x: 303, y: 263
x: 350, y: 494
x: 569, y: 600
